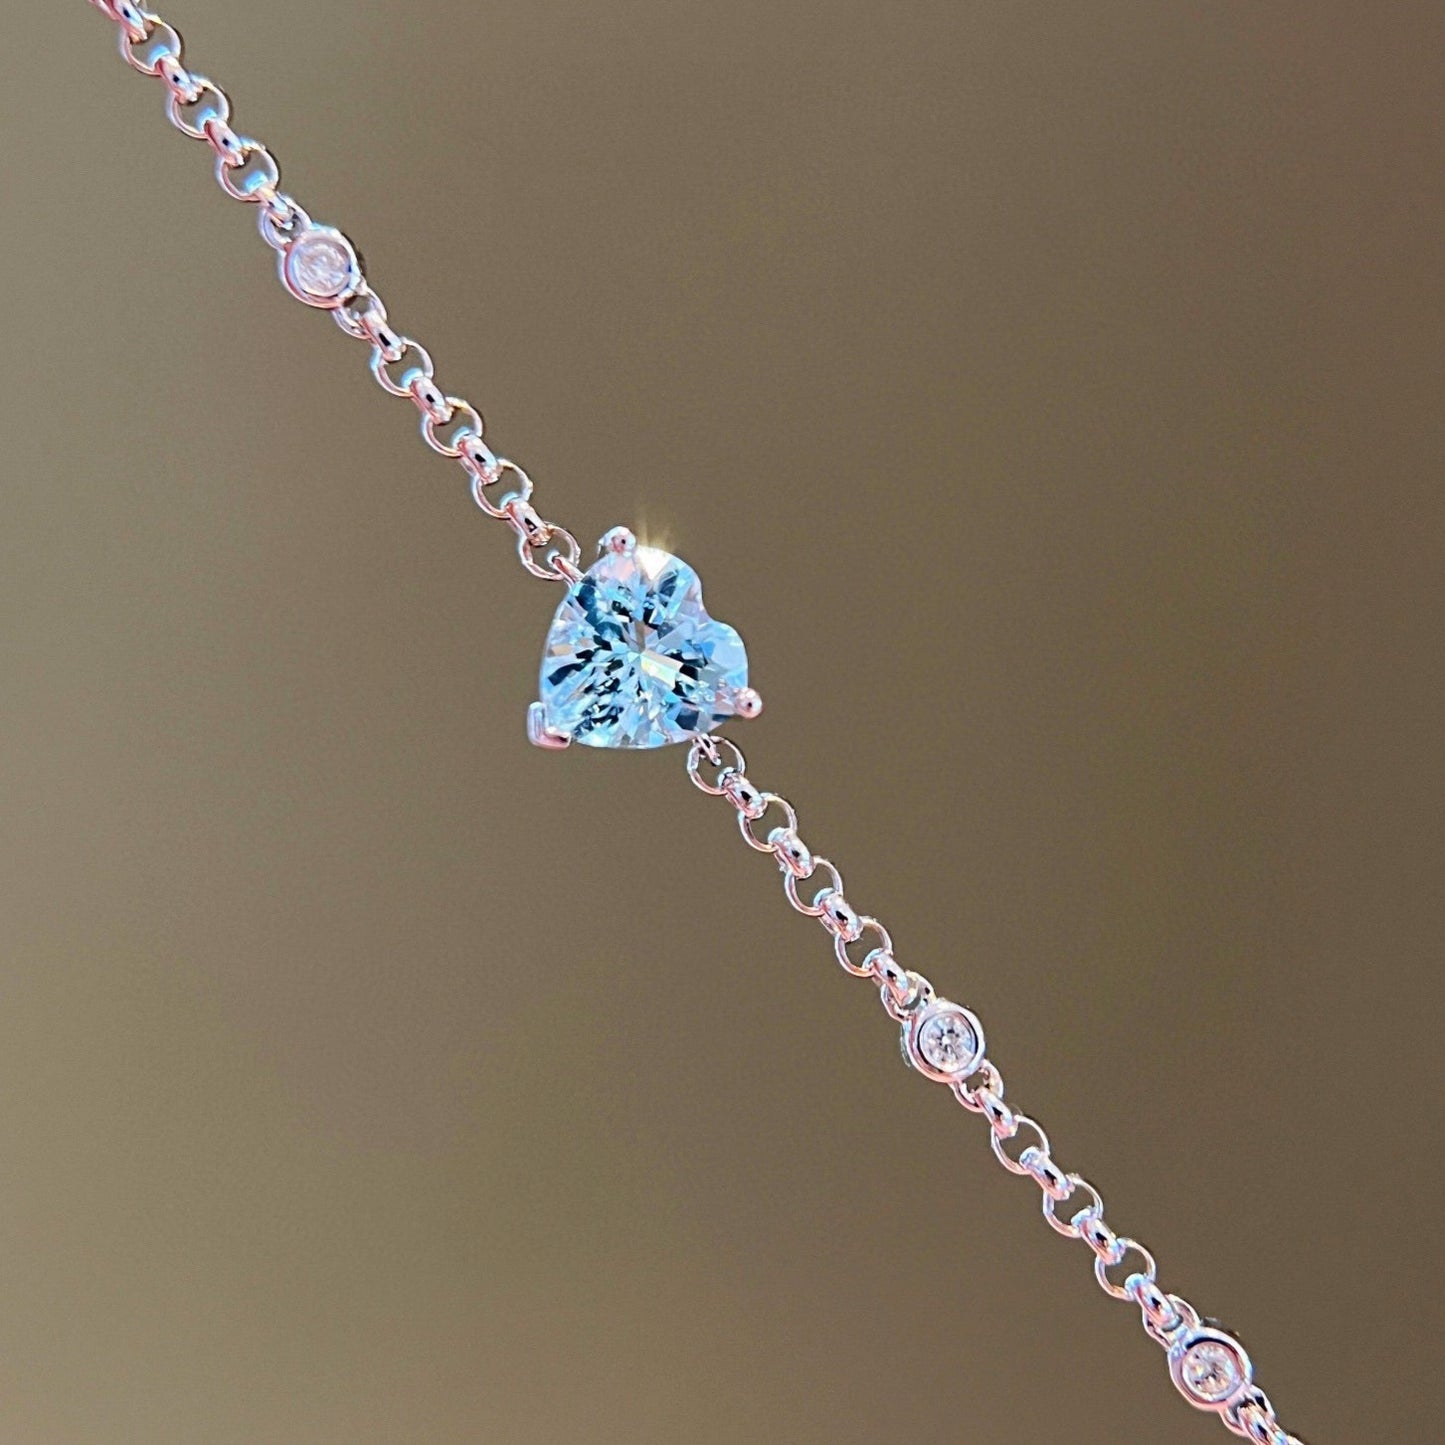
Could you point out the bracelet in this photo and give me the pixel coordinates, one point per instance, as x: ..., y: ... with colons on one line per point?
x: 633, y: 660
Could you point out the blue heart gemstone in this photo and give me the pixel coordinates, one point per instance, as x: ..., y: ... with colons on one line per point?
x: 633, y: 660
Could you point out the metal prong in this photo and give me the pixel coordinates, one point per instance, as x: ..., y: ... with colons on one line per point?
x: 747, y: 702
x: 618, y: 540
x: 542, y: 736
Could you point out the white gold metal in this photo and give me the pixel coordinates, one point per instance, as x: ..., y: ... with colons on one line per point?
x: 876, y: 959
x: 1124, y: 1248
x: 747, y: 702
x: 815, y: 908
x: 1071, y: 1230
x: 219, y: 108
x: 710, y: 749
x: 235, y: 157
x: 840, y: 918
x: 746, y: 821
x: 541, y: 735
x: 792, y: 853
x: 901, y: 1001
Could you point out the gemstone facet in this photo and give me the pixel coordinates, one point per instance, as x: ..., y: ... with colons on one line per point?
x: 947, y: 1042
x: 633, y: 660
x: 1210, y: 1369
x: 944, y: 1041
x: 320, y: 267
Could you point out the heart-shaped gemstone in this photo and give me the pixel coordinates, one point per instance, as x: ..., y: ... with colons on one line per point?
x: 633, y: 660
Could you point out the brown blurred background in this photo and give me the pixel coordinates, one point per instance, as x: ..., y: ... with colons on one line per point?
x: 1051, y: 394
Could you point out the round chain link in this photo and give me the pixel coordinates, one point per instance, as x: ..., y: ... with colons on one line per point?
x: 208, y: 99
x: 468, y: 423
x: 232, y: 161
x: 358, y: 323
x: 746, y: 821
x: 840, y: 918
x: 1126, y: 1246
x: 1100, y: 1237
x: 144, y: 52
x: 280, y: 221
x: 793, y: 855
x: 744, y: 796
x: 182, y: 85
x: 1072, y: 1228
x: 711, y: 750
x: 385, y: 354
x: 557, y: 565
x: 519, y: 491
x: 869, y: 966
x: 815, y: 908
x: 1046, y: 1174
x: 902, y: 998
x: 972, y: 1095
x: 431, y: 401
x: 1010, y: 1130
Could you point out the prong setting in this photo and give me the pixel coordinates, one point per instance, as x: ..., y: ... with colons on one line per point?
x: 633, y: 659
x: 540, y: 735
x: 748, y: 703
x: 619, y: 541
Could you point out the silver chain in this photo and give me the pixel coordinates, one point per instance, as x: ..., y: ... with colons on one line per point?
x: 1125, y: 1270
x: 1209, y: 1367
x: 247, y: 171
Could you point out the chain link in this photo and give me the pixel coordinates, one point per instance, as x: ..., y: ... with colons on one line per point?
x: 247, y: 171
x: 717, y: 767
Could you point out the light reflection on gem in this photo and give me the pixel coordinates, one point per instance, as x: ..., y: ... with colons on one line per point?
x: 633, y: 660
x: 947, y: 1042
x: 321, y: 264
x: 1211, y: 1371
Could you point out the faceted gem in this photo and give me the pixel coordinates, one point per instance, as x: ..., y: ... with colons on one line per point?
x: 1211, y: 1371
x: 947, y: 1042
x: 633, y: 660
x: 943, y: 1041
x: 320, y: 266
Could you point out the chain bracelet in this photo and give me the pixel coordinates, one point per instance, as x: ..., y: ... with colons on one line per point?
x: 321, y: 267
x: 1209, y: 1367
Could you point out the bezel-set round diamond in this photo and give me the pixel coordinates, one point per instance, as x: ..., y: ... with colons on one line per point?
x: 320, y: 267
x: 943, y: 1041
x: 1210, y: 1369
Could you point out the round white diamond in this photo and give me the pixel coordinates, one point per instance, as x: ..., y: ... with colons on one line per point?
x: 948, y: 1043
x: 321, y: 264
x: 1211, y: 1371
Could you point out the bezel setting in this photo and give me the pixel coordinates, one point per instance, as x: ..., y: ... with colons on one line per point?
x: 294, y: 259
x: 944, y: 1013
x: 1205, y: 1342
